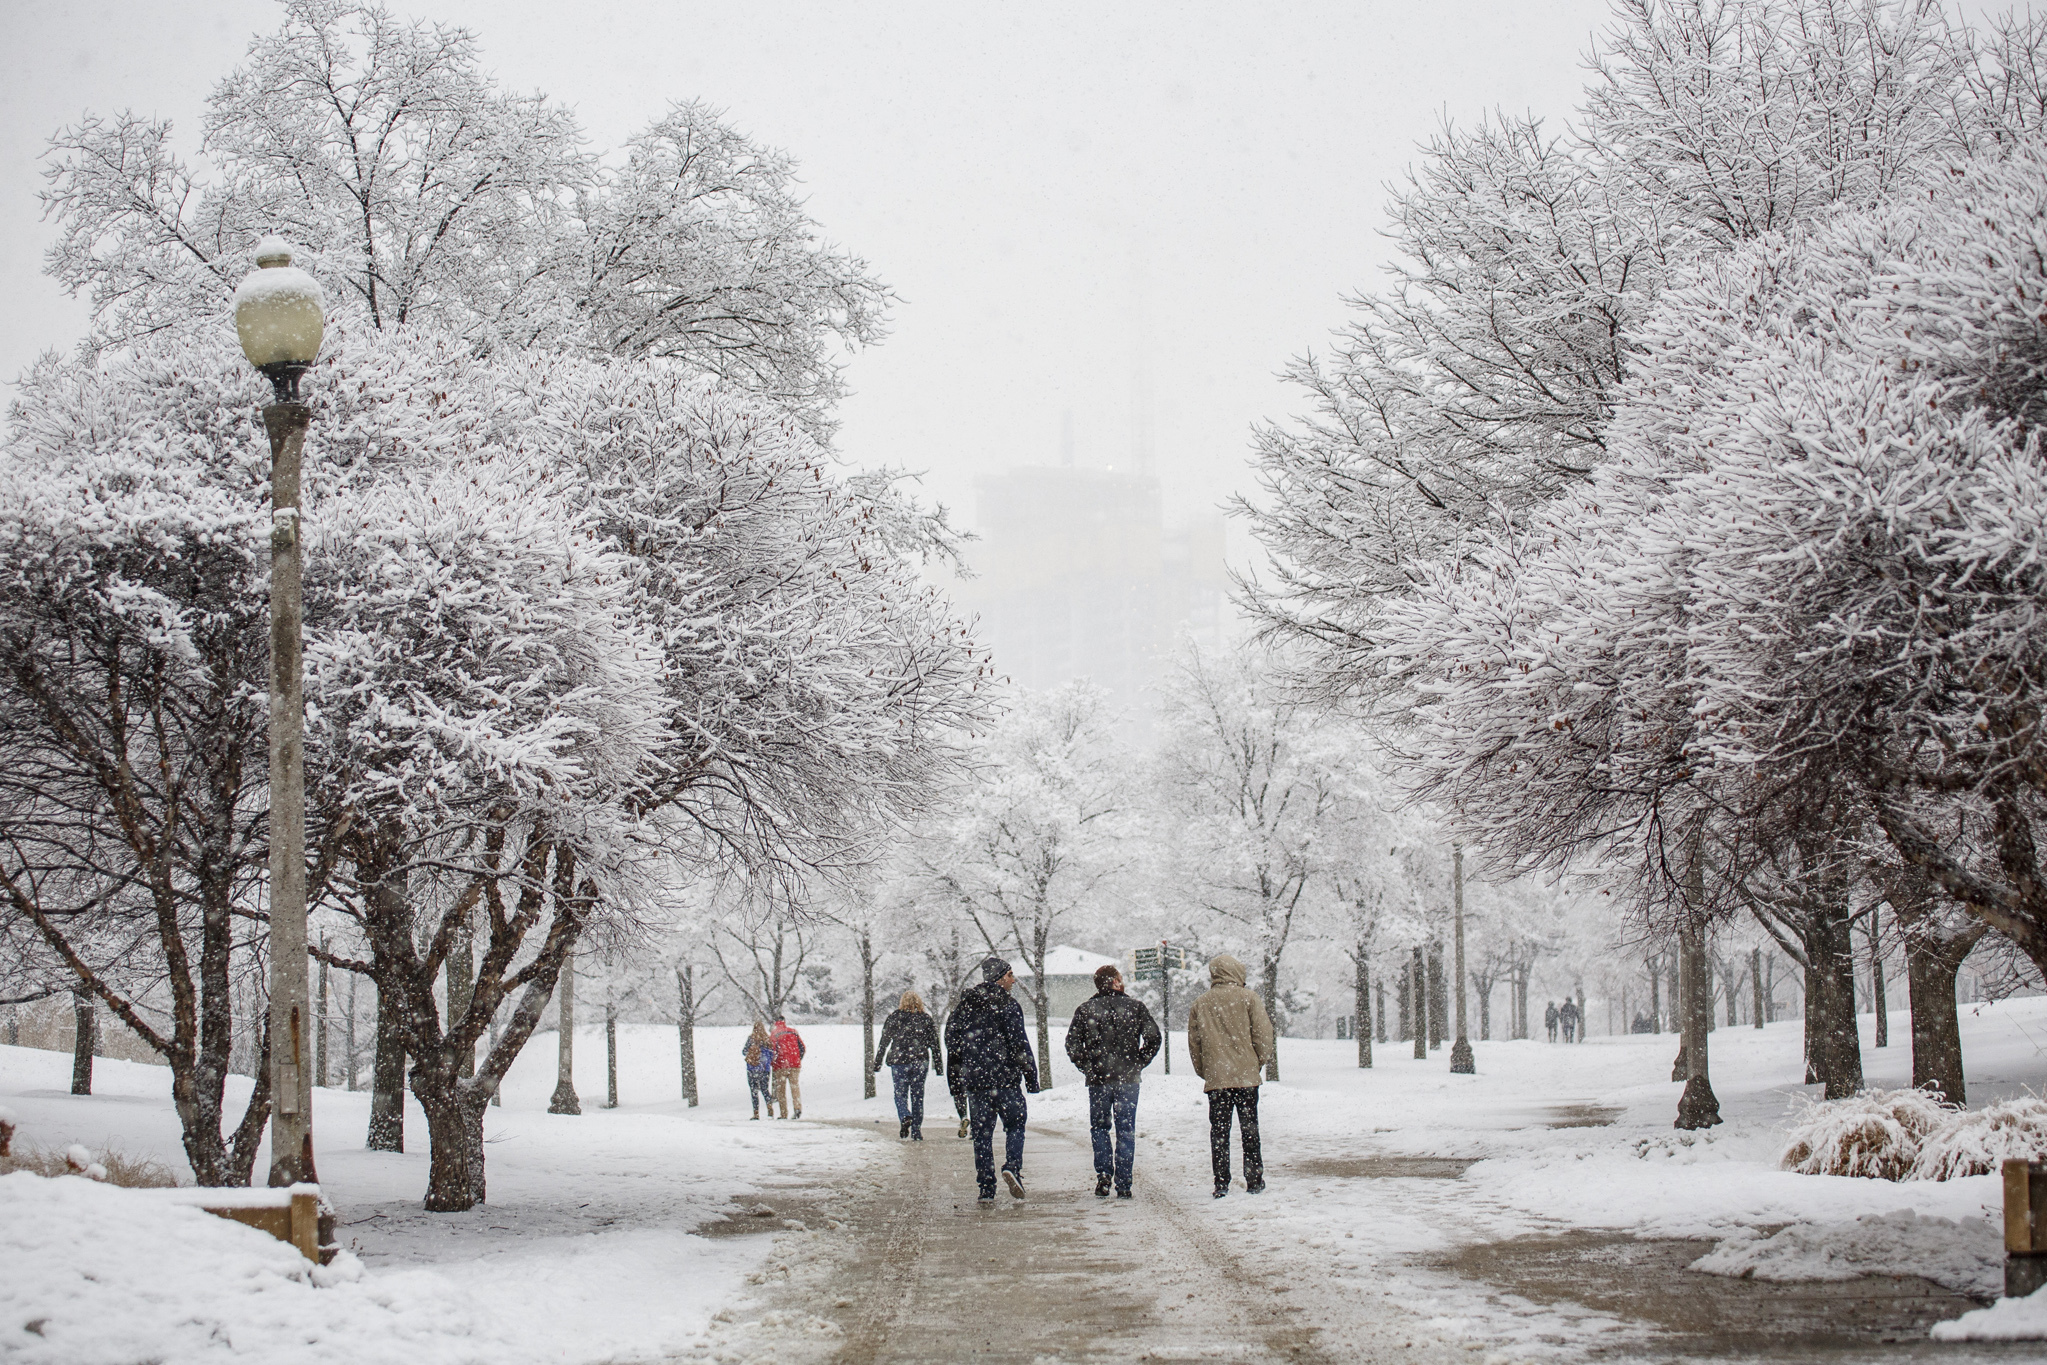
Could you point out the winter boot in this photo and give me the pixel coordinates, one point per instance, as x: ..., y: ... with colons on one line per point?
x: 963, y: 1125
x: 904, y: 1130
x: 1101, y: 1187
x: 1015, y: 1182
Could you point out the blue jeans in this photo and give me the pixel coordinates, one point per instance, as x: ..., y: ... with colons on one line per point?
x: 757, y: 1090
x: 910, y: 1095
x: 983, y: 1108
x: 1113, y: 1104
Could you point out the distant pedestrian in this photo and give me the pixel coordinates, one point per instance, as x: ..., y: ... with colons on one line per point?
x: 788, y: 1068
x: 909, y: 1048
x: 759, y: 1052
x: 1549, y: 1020
x: 1229, y: 1040
x: 1110, y: 1042
x: 1567, y: 1019
x: 988, y: 1059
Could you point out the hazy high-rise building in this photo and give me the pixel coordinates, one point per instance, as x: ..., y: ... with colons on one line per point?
x: 1079, y: 576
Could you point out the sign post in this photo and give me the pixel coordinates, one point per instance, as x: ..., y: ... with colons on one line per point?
x: 1159, y: 964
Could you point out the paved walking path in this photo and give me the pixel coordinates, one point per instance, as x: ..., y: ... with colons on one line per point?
x: 929, y: 1275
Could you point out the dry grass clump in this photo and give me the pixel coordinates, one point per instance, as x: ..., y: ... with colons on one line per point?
x: 1877, y: 1133
x: 1978, y: 1142
x: 113, y: 1167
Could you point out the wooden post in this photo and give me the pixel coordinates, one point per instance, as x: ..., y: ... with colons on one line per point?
x: 2025, y: 1227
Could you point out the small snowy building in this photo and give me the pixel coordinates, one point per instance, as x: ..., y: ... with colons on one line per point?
x: 1069, y: 978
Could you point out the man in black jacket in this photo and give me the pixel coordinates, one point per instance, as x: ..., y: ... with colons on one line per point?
x: 988, y: 1058
x: 1112, y: 1039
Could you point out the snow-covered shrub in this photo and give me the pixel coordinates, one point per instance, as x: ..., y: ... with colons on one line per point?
x: 105, y: 1165
x: 1977, y: 1142
x: 1878, y: 1133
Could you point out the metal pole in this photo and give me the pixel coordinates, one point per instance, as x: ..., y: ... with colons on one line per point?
x: 1462, y: 1063
x: 1166, y: 1004
x: 291, y: 1074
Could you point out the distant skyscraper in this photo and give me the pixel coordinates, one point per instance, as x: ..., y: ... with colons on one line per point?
x: 1078, y: 576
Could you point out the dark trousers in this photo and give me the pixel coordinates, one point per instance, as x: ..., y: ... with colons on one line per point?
x: 1113, y: 1106
x: 983, y: 1108
x: 910, y: 1095
x: 1243, y: 1102
x: 757, y: 1089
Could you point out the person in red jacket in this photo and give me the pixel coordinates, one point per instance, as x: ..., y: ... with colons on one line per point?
x: 788, y: 1067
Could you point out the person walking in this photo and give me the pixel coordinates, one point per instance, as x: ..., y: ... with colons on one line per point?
x: 759, y: 1052
x: 909, y: 1047
x: 1229, y: 1040
x: 1567, y: 1019
x: 1110, y: 1042
x: 988, y: 1059
x: 1549, y: 1020
x: 788, y: 1068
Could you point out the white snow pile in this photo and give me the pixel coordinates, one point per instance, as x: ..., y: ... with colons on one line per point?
x: 1967, y: 1257
x: 93, y: 1274
x: 2006, y: 1320
x: 1913, y: 1135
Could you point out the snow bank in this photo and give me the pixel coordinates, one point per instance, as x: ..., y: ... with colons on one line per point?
x: 1966, y: 1256
x: 92, y: 1275
x: 2006, y: 1320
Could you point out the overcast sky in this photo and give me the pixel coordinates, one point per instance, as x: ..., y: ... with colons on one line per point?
x: 1131, y: 212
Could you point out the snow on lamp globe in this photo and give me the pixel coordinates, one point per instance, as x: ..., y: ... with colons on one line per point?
x: 280, y: 316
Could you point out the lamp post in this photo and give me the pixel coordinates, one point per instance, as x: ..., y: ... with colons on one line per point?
x: 1462, y: 1063
x: 280, y: 319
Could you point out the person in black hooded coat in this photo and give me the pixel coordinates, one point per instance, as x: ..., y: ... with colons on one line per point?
x: 988, y: 1059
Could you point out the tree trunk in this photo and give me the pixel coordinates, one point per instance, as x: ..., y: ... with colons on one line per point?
x: 1269, y: 989
x: 1698, y: 1107
x: 1876, y: 979
x: 1833, y: 1045
x: 84, y: 1039
x: 1041, y: 1005
x: 387, y: 1080
x: 1655, y: 996
x: 1403, y: 995
x: 1439, y: 998
x: 867, y: 1012
x: 320, y: 1024
x: 1361, y: 1006
x: 686, y: 1030
x: 1931, y: 967
x: 1418, y: 993
x: 1485, y: 1008
x: 1380, y: 1029
x: 1755, y: 967
x: 462, y: 981
x: 564, y: 1100
x: 610, y: 1051
x: 348, y: 1033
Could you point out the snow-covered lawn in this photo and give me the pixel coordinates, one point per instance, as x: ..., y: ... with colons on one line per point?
x: 586, y: 1250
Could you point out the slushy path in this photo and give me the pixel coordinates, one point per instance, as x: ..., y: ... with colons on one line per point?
x: 929, y: 1275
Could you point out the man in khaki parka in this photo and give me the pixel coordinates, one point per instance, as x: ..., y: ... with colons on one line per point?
x: 1229, y: 1038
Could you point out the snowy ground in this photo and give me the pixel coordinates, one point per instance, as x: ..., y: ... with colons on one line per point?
x: 586, y: 1252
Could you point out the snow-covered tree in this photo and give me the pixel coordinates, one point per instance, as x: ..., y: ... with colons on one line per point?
x: 1041, y: 842
x: 1253, y: 785
x: 423, y: 194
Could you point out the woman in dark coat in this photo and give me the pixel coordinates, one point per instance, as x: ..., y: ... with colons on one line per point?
x: 909, y: 1048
